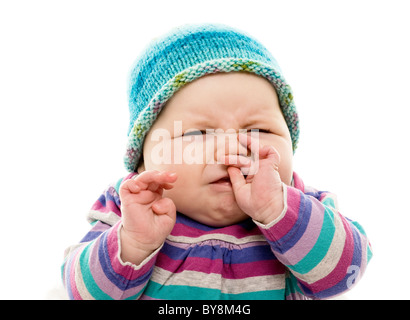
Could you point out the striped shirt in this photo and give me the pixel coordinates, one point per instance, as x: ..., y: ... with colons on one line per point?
x: 310, y: 251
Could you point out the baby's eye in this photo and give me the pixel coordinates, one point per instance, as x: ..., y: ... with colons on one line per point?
x: 258, y: 130
x: 194, y: 133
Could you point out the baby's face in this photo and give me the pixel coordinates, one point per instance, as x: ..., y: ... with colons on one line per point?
x: 222, y: 104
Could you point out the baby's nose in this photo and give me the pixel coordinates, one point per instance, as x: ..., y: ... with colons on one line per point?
x: 227, y: 144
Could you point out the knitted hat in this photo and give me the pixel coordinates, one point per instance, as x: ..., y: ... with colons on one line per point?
x: 188, y: 53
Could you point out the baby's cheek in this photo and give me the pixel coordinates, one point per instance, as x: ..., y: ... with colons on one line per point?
x: 285, y: 151
x: 286, y: 168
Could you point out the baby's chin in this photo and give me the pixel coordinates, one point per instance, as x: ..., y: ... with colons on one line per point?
x: 214, y: 209
x: 219, y: 219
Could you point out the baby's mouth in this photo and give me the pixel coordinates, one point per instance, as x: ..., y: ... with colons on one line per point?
x: 223, y: 181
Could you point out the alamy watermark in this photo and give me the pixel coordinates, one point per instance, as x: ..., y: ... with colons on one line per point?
x: 208, y: 146
x: 354, y: 272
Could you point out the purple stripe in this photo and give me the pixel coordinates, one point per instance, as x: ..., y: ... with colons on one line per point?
x: 228, y: 256
x: 304, y: 210
x: 109, y: 285
x: 95, y: 232
x: 90, y: 236
x: 308, y: 239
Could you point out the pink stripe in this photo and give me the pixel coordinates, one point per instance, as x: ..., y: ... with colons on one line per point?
x: 298, y: 183
x: 323, y: 196
x: 235, y: 231
x: 110, y: 206
x: 97, y: 206
x: 233, y: 271
x: 283, y: 226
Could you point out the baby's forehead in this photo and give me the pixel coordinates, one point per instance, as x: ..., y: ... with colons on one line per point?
x: 234, y: 92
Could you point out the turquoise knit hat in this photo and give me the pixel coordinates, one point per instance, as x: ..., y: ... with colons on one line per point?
x: 188, y: 53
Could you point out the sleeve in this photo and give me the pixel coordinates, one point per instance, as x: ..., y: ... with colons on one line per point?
x: 93, y: 269
x: 325, y: 252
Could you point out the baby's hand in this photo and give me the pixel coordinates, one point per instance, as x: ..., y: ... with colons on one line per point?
x: 147, y: 217
x: 260, y: 194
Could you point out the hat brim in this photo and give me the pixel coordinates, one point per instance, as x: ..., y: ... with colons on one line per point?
x: 150, y: 113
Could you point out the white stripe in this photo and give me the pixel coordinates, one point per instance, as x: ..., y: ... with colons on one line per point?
x: 110, y: 217
x: 216, y: 281
x: 217, y: 236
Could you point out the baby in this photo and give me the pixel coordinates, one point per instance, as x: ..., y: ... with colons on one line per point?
x: 211, y: 208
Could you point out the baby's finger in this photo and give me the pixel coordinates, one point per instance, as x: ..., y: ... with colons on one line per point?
x: 152, y: 180
x: 236, y: 160
x: 247, y: 166
x: 259, y: 152
x: 167, y: 186
x: 130, y: 186
x: 163, y: 206
x: 164, y: 180
x: 248, y: 172
x: 236, y: 177
x: 145, y: 178
x: 269, y: 152
x: 250, y: 141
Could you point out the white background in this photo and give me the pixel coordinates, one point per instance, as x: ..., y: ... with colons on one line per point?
x: 64, y: 117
